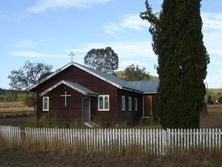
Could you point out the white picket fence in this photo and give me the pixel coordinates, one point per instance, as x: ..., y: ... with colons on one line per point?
x: 151, y: 141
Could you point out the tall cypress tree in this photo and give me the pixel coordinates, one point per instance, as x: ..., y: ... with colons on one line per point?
x: 182, y: 59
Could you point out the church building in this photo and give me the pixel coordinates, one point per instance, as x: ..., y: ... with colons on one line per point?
x: 77, y: 92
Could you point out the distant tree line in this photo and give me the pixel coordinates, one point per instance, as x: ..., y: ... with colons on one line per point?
x: 214, y: 96
x: 134, y: 73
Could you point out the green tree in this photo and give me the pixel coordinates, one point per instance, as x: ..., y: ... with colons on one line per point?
x: 220, y: 100
x: 28, y: 75
x: 182, y: 61
x: 133, y: 73
x: 210, y: 100
x: 105, y: 60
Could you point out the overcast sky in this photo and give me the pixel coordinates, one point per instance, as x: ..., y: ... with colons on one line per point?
x: 47, y: 30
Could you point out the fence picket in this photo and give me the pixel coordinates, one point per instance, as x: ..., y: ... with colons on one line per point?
x: 154, y: 141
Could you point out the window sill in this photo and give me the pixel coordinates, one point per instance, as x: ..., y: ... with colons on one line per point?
x: 103, y: 110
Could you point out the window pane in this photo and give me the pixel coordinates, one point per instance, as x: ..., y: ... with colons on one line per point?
x: 45, y: 104
x: 100, y: 102
x: 129, y: 103
x: 123, y: 103
x: 106, y: 102
x: 136, y: 104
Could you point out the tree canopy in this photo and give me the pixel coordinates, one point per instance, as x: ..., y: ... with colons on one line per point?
x: 28, y: 75
x: 105, y: 60
x: 182, y: 61
x: 134, y: 73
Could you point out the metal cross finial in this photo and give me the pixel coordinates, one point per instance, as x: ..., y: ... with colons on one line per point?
x: 71, y: 54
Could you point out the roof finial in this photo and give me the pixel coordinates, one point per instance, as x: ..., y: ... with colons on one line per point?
x: 71, y: 54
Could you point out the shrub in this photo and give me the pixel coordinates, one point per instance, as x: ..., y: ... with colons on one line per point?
x: 220, y: 100
x: 210, y: 100
x: 27, y: 99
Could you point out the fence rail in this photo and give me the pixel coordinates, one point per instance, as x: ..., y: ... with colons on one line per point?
x: 152, y: 141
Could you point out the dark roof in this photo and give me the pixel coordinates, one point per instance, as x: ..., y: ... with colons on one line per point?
x: 150, y: 86
x: 111, y: 78
x: 137, y: 86
x: 75, y: 86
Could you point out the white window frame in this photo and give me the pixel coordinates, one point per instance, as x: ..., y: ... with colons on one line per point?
x: 130, y: 103
x: 103, y: 105
x: 135, y: 104
x: 123, y: 103
x: 45, y: 108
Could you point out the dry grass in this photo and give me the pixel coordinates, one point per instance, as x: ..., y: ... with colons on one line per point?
x: 15, y: 157
x: 217, y: 108
x: 213, y: 119
x: 14, y: 107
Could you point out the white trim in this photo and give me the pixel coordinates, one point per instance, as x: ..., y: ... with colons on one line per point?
x: 98, y: 76
x: 103, y: 105
x: 60, y: 83
x: 80, y: 67
x: 123, y: 103
x: 50, y: 76
x: 43, y: 103
x: 90, y: 72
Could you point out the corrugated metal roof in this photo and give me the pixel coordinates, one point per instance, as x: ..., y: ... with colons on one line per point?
x: 111, y: 78
x: 150, y: 86
x: 72, y: 85
x: 137, y: 86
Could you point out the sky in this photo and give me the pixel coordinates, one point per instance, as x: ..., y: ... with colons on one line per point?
x: 46, y: 31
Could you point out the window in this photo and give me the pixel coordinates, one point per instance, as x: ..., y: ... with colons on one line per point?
x: 103, y: 103
x: 135, y: 104
x: 129, y: 103
x: 45, y: 104
x: 123, y: 103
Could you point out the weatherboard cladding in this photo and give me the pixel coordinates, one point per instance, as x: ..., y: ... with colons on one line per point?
x: 135, y: 86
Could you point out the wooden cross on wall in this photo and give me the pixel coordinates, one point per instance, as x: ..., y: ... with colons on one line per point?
x: 65, y: 95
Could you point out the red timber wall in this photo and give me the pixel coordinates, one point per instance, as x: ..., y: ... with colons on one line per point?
x: 85, y: 79
x: 150, y: 106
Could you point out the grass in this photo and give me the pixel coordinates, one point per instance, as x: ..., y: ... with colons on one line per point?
x: 16, y: 157
x: 213, y: 119
x: 14, y: 107
x: 217, y: 108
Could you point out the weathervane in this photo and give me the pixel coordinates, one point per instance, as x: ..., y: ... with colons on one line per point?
x: 71, y: 54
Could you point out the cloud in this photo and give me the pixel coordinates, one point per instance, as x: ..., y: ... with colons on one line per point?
x: 24, y: 44
x: 212, y: 79
x: 124, y: 49
x: 212, y: 30
x: 129, y: 52
x: 134, y: 22
x: 129, y: 21
x: 35, y: 54
x: 212, y: 21
x: 111, y: 28
x: 43, y: 5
